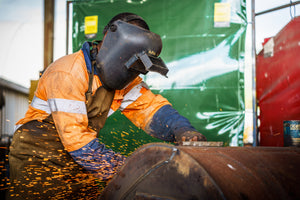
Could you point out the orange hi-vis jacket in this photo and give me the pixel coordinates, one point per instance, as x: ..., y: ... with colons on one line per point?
x: 61, y: 93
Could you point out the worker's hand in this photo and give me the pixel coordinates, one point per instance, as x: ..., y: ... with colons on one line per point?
x: 190, y: 136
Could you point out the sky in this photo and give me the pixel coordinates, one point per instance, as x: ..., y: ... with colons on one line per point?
x: 21, y: 34
x: 268, y: 25
x: 21, y: 38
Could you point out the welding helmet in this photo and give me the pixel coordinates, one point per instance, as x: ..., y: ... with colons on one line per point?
x: 127, y: 17
x: 128, y: 50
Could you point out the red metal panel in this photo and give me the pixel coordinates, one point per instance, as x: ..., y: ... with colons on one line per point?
x: 278, y: 84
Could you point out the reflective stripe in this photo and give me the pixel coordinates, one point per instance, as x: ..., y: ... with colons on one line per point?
x: 110, y: 112
x: 63, y: 105
x: 17, y: 126
x: 66, y: 105
x: 131, y: 96
x: 40, y: 104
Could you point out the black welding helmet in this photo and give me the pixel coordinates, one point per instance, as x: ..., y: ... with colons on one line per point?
x: 128, y: 50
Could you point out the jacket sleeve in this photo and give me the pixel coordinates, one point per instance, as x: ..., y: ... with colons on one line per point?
x: 153, y: 113
x: 66, y: 99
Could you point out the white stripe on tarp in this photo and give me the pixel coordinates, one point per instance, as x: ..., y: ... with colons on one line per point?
x: 131, y: 96
x: 66, y: 105
x: 40, y: 104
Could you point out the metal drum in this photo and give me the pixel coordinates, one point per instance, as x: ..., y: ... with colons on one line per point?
x: 291, y: 133
x: 163, y: 171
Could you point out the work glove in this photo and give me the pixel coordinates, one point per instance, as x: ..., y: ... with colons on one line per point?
x: 97, y: 106
x: 189, y: 136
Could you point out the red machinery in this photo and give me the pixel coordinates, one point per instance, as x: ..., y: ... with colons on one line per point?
x: 278, y: 83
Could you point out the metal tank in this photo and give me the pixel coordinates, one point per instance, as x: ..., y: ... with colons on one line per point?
x: 278, y: 83
x: 163, y: 171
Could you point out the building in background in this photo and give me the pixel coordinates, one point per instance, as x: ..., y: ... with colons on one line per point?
x: 15, y: 105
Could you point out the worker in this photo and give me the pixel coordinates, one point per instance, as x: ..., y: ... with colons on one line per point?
x: 55, y: 152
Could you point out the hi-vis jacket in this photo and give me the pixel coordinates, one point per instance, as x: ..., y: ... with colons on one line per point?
x: 61, y: 92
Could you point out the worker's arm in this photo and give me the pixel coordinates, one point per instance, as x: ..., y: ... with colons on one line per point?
x: 66, y: 98
x: 168, y: 122
x: 156, y: 116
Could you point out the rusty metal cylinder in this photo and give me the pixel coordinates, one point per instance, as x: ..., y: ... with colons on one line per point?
x: 163, y: 171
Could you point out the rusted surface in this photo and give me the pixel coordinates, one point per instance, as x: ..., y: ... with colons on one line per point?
x: 252, y: 172
x: 202, y: 144
x: 161, y: 171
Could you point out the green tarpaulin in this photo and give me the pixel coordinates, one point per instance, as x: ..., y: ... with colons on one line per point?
x: 203, y: 47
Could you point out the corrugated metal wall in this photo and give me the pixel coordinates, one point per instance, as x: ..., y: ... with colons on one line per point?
x: 16, y: 104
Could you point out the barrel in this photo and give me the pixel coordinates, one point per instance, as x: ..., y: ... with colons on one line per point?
x: 291, y: 133
x: 163, y: 171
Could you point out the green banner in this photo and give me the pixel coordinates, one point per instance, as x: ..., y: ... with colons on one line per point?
x: 203, y: 47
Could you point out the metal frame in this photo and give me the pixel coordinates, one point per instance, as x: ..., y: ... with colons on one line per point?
x: 67, y: 25
x: 253, y: 54
x: 277, y: 8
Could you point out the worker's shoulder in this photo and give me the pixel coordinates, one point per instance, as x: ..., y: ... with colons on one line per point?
x: 73, y: 63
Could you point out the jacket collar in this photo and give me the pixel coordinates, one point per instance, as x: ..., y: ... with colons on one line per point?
x: 87, y: 57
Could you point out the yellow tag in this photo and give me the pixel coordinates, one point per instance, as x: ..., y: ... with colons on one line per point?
x: 91, y: 24
x: 222, y: 15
